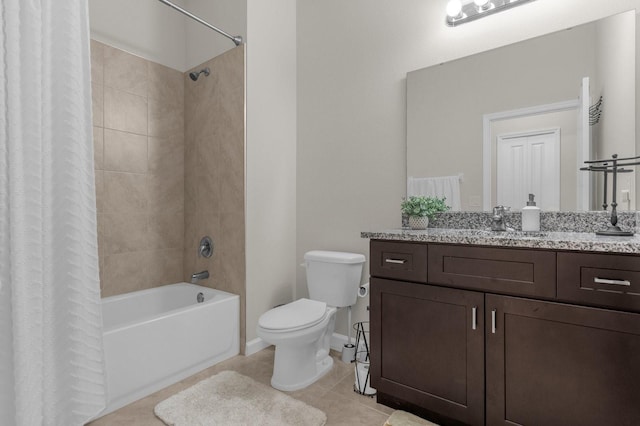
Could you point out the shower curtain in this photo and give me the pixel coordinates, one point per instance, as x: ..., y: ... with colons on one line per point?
x: 51, y: 358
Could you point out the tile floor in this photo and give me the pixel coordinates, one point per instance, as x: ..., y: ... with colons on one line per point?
x: 332, y: 394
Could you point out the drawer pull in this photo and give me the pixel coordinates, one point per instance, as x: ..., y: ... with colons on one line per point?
x: 396, y: 261
x: 474, y: 318
x: 493, y: 321
x: 614, y: 282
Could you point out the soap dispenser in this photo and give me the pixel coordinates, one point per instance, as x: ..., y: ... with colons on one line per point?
x: 531, y: 216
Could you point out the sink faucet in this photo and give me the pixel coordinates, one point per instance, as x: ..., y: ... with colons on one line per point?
x: 199, y: 276
x: 498, y: 223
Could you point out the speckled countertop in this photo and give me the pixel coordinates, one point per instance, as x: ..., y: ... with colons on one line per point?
x: 560, y: 231
x: 580, y: 241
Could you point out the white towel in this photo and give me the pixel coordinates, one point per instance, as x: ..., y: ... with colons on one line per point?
x: 442, y: 186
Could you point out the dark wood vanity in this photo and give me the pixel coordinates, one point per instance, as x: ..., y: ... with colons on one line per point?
x: 467, y: 334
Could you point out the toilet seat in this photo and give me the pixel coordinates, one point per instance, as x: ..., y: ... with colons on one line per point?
x: 302, y: 313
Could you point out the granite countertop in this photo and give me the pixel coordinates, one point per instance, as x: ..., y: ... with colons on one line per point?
x: 576, y: 241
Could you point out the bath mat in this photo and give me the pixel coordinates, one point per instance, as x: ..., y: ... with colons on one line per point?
x: 229, y: 398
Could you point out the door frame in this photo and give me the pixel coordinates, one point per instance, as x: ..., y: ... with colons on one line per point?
x: 488, y: 119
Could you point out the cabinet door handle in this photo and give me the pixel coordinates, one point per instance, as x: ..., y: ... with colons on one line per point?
x: 397, y: 261
x: 493, y: 321
x: 614, y: 282
x: 474, y: 317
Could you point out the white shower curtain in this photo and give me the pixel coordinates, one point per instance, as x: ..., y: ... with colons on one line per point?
x: 51, y: 358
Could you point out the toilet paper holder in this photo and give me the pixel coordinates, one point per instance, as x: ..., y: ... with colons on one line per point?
x: 363, y: 290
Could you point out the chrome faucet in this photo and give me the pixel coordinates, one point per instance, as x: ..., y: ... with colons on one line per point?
x: 499, y: 223
x: 199, y: 276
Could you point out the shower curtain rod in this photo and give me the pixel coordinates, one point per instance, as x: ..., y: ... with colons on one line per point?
x: 237, y: 40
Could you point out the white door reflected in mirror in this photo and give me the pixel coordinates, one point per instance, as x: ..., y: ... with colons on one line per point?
x: 529, y: 163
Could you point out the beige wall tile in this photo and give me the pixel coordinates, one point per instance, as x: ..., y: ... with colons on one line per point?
x: 189, y: 201
x: 165, y: 84
x: 126, y: 272
x: 97, y: 62
x: 125, y: 71
x: 198, y: 226
x: 98, y: 148
x: 140, y: 180
x: 99, y: 181
x: 208, y: 186
x: 165, y: 267
x: 125, y: 193
x: 97, y: 104
x: 125, y: 152
x: 190, y: 176
x: 124, y: 233
x: 232, y: 237
x: 165, y: 120
x: 230, y: 70
x: 231, y: 176
x: 198, y: 118
x: 166, y: 194
x: 214, y: 176
x: 166, y: 156
x: 101, y: 251
x: 124, y: 111
x: 166, y: 230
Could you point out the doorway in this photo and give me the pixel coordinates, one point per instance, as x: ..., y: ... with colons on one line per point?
x: 529, y: 163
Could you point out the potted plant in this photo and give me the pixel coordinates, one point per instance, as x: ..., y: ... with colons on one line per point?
x: 420, y: 209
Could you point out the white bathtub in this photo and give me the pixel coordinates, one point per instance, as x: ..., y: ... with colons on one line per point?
x: 154, y: 338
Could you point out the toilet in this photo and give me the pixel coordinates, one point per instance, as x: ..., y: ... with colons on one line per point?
x: 301, y: 330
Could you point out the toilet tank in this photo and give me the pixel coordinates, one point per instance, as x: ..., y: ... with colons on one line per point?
x: 333, y: 277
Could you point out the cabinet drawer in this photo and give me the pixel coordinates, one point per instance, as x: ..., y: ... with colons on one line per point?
x: 403, y: 261
x: 600, y: 279
x: 511, y: 271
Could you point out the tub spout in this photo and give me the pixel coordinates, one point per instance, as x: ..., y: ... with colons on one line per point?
x: 199, y: 276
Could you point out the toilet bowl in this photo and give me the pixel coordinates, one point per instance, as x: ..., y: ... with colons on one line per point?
x: 301, y: 333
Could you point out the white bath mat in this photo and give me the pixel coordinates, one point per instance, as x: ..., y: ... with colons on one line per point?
x: 229, y: 398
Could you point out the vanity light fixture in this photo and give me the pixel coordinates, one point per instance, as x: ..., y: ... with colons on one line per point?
x: 483, y: 4
x: 461, y: 11
x: 454, y: 8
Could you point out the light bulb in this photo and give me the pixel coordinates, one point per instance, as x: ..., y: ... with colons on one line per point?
x: 454, y: 8
x: 482, y: 4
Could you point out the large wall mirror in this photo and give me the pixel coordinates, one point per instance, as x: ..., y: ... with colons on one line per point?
x: 515, y: 120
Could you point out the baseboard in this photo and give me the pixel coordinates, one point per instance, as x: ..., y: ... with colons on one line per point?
x: 255, y: 345
x: 338, y: 341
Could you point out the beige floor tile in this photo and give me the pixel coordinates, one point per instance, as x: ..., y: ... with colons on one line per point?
x: 333, y: 394
x: 339, y: 371
x: 341, y: 411
x: 266, y: 355
x: 311, y: 394
x: 345, y: 389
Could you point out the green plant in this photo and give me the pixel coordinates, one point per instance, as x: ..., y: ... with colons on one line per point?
x: 424, y: 206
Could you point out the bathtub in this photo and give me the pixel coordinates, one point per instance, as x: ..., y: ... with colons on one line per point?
x: 154, y: 338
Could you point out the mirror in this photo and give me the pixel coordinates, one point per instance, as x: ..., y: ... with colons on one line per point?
x: 515, y: 120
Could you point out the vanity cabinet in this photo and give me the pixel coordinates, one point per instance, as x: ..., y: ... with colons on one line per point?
x: 493, y: 336
x: 428, y: 347
x: 550, y: 363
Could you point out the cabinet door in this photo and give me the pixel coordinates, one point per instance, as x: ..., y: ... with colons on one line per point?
x: 555, y: 364
x: 428, y: 348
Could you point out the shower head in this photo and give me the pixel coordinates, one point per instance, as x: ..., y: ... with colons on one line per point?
x: 194, y: 75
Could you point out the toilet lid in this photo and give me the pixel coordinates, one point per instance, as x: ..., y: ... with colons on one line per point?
x: 299, y: 314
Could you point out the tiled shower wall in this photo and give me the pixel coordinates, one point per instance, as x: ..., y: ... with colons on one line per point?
x: 214, y: 174
x: 161, y: 183
x: 138, y: 118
